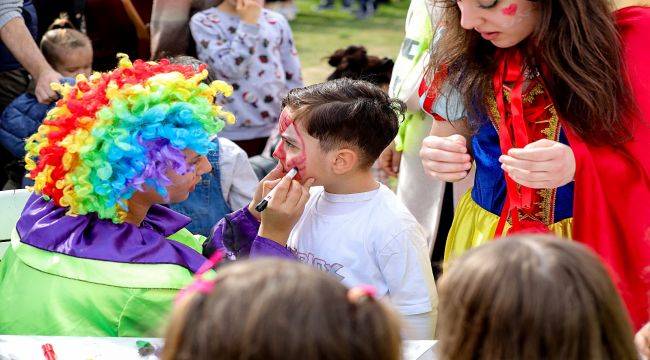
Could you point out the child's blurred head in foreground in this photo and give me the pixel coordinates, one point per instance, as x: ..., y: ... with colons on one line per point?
x: 334, y: 131
x: 531, y: 297
x: 273, y: 309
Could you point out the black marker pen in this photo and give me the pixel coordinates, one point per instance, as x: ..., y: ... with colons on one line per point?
x: 265, y: 202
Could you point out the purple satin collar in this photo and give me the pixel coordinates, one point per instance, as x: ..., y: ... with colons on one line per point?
x: 46, y: 226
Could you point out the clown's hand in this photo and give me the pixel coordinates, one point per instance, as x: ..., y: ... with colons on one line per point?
x: 543, y: 164
x: 284, y: 209
x: 267, y: 183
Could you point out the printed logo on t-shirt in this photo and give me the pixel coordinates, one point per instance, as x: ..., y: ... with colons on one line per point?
x: 310, y: 259
x: 410, y: 48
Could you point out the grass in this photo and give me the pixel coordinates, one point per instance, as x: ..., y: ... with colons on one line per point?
x: 319, y: 33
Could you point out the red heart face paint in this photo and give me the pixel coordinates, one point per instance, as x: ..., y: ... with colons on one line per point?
x: 291, y: 149
x: 511, y: 10
x: 503, y: 23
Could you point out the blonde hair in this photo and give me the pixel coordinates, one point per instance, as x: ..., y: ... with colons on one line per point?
x: 280, y: 310
x: 531, y: 297
x: 60, y: 36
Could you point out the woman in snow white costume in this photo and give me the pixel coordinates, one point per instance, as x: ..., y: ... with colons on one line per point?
x: 558, y: 109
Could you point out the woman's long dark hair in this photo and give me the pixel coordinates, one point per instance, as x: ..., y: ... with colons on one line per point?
x: 577, y: 45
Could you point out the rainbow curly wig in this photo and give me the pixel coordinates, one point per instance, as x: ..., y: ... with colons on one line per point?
x: 115, y: 132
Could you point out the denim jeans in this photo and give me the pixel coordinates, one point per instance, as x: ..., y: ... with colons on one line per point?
x: 206, y: 204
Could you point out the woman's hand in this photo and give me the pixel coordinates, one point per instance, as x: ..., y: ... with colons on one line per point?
x: 390, y: 159
x: 642, y: 341
x: 543, y: 164
x: 446, y: 158
x: 284, y: 209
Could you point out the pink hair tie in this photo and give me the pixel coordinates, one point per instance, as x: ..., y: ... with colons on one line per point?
x: 361, y: 292
x: 200, y: 284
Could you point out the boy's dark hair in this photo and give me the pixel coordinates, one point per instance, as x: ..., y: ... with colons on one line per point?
x: 353, y: 62
x: 347, y: 112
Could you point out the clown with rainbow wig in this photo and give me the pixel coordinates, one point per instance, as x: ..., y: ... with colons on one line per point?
x: 94, y: 252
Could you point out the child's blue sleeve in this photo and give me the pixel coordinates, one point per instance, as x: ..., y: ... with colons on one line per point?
x: 290, y: 60
x: 229, y: 58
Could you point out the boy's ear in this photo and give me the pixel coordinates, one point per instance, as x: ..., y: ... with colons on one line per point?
x: 345, y: 161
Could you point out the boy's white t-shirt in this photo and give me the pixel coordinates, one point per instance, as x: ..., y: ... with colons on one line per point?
x: 368, y: 238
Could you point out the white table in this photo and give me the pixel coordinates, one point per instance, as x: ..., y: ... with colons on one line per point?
x: 12, y: 203
x: 419, y: 350
x: 104, y: 348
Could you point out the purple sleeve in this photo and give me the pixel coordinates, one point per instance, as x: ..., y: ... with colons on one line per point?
x: 236, y: 234
x: 267, y: 247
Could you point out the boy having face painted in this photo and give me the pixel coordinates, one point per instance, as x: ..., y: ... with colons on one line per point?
x: 351, y: 227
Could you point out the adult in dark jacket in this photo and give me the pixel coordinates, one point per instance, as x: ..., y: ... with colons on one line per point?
x: 70, y: 53
x: 19, y: 55
x: 21, y: 119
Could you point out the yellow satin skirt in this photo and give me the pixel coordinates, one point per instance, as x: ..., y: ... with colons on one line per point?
x: 473, y: 226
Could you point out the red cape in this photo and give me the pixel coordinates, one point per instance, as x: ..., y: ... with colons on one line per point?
x: 612, y: 184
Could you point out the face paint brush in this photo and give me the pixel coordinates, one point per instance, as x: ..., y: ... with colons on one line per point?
x: 265, y: 202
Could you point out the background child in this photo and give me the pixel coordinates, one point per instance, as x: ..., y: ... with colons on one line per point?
x: 352, y: 227
x: 70, y: 53
x: 280, y: 310
x: 547, y: 299
x: 229, y: 185
x: 68, y: 50
x: 252, y: 49
x: 353, y: 62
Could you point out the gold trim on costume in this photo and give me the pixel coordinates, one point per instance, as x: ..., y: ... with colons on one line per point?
x: 537, y: 89
x: 551, y: 132
x: 493, y: 109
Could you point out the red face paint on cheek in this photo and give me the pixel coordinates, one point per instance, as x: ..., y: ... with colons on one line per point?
x: 291, y: 159
x: 298, y: 161
x: 511, y: 10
